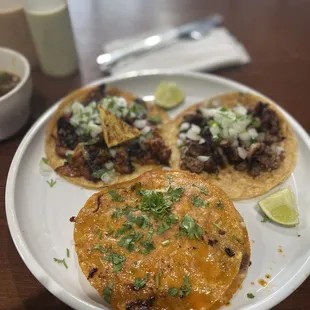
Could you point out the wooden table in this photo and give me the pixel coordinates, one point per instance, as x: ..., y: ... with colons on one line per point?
x: 276, y: 34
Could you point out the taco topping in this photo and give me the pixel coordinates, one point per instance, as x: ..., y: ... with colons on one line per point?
x: 215, y: 136
x: 82, y: 142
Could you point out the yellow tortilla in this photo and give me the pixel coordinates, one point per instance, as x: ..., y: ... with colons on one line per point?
x: 214, y: 276
x: 238, y: 184
x: 116, y: 131
x: 51, y: 134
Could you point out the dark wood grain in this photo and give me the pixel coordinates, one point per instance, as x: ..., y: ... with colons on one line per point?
x: 276, y: 34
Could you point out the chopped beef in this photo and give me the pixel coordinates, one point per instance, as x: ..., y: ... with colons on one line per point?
x: 95, y: 95
x: 67, y: 136
x: 159, y: 149
x: 230, y: 152
x: 261, y: 155
x: 141, y: 304
x: 192, y: 164
x: 68, y: 171
x: 61, y: 151
x: 122, y: 162
x: 241, y: 166
x: 196, y: 119
x: 72, y: 219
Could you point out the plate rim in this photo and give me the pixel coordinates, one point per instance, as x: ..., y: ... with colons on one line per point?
x: 17, y: 236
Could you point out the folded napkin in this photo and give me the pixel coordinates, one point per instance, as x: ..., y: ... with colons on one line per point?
x: 217, y: 50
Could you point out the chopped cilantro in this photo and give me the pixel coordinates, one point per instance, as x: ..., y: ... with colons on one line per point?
x: 198, y: 202
x: 97, y: 174
x: 99, y: 234
x: 119, y: 212
x: 255, y: 124
x: 156, y: 119
x: 166, y: 242
x: 265, y: 219
x: 45, y: 160
x: 142, y: 221
x: 237, y: 238
x: 148, y: 246
x: 68, y: 252
x: 107, y: 292
x: 220, y: 205
x: 139, y: 283
x: 217, y: 226
x: 157, y: 278
x: 167, y: 222
x: 203, y: 190
x: 250, y: 295
x: 173, y: 291
x: 116, y: 259
x: 184, y: 290
x: 51, y: 183
x: 69, y: 158
x: 126, y: 226
x: 174, y: 194
x: 128, y: 241
x: 100, y: 248
x: 190, y: 228
x: 115, y: 196
x: 61, y: 261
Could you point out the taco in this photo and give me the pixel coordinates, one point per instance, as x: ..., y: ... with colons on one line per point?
x: 240, y: 141
x: 79, y: 150
x: 165, y: 240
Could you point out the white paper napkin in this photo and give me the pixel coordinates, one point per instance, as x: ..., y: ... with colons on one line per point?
x: 217, y: 50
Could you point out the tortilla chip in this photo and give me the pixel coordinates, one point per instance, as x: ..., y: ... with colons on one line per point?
x: 215, y: 264
x: 80, y: 95
x: 116, y: 131
x: 238, y: 184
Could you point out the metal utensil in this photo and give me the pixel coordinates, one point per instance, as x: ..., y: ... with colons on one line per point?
x: 194, y: 31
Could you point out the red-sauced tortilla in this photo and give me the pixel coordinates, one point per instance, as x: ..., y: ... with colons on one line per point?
x: 165, y: 240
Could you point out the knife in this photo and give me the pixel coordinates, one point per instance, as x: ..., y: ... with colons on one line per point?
x: 194, y: 31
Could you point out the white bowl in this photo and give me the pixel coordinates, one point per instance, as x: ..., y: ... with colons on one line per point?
x: 14, y: 106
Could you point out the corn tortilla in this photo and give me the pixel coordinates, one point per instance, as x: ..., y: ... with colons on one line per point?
x: 56, y: 161
x: 238, y: 184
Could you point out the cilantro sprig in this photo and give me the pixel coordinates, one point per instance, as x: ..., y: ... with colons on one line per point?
x: 183, y: 291
x: 115, y: 196
x: 199, y: 203
x: 107, y: 292
x: 190, y: 228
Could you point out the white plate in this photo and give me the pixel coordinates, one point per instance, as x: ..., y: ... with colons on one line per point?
x: 38, y: 215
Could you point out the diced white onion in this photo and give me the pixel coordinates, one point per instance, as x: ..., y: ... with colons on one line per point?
x: 235, y: 143
x: 146, y: 130
x: 196, y: 129
x: 69, y: 152
x: 244, y: 136
x: 203, y: 158
x: 215, y: 130
x: 240, y: 110
x: 106, y: 178
x: 202, y: 141
x: 184, y: 126
x: 279, y: 149
x: 132, y: 114
x: 182, y: 136
x: 94, y: 129
x: 109, y: 165
x: 180, y: 143
x: 193, y: 136
x: 261, y: 137
x: 242, y: 152
x: 207, y: 112
x: 77, y: 107
x: 112, y: 152
x: 140, y: 123
x: 252, y: 133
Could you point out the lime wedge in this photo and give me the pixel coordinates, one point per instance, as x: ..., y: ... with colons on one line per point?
x: 168, y: 95
x: 280, y: 207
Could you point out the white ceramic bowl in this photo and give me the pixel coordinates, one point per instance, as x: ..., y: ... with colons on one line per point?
x: 14, y: 106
